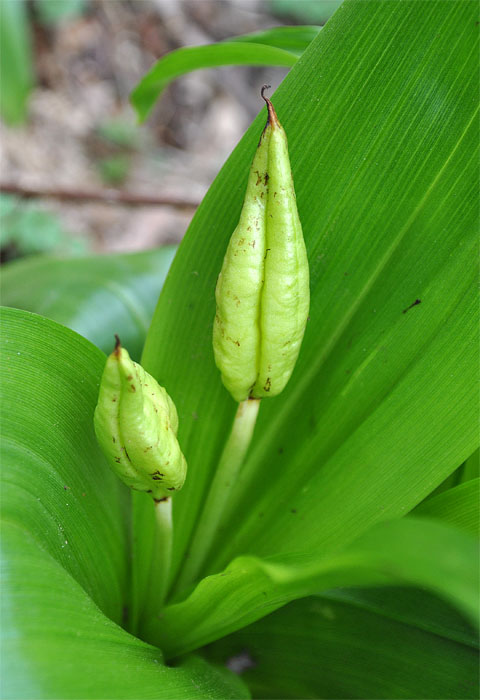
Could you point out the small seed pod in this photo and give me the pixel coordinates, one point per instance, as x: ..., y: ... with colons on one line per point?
x: 262, y: 291
x: 136, y: 425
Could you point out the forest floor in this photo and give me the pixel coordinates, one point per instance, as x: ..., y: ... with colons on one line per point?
x: 82, y: 133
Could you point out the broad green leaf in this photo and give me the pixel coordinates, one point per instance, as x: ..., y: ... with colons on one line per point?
x: 57, y: 643
x: 320, y: 647
x: 458, y: 506
x: 184, y: 60
x: 56, y: 485
x: 16, y: 74
x: 418, y: 552
x: 97, y: 296
x: 64, y: 535
x: 380, y: 112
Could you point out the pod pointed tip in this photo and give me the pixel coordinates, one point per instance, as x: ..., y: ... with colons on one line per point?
x: 272, y: 115
x: 118, y: 346
x: 262, y: 92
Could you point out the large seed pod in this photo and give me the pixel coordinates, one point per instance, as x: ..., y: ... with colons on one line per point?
x: 136, y: 425
x: 236, y: 330
x: 262, y: 291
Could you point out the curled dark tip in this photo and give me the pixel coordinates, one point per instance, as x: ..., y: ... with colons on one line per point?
x: 118, y: 345
x: 262, y: 91
x: 272, y: 116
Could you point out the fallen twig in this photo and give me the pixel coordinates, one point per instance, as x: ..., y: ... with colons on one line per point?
x: 106, y: 196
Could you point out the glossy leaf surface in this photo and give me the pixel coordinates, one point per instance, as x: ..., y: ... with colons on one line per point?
x: 64, y: 535
x: 96, y: 296
x: 322, y: 647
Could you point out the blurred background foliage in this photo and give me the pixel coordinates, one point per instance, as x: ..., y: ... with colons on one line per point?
x: 67, y: 68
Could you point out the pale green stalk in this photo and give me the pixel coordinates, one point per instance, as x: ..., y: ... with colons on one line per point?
x: 163, y: 553
x: 229, y: 466
x: 161, y: 559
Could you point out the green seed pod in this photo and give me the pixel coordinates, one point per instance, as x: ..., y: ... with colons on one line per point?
x: 262, y: 291
x: 136, y: 425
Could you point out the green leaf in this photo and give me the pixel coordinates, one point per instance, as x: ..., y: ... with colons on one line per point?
x: 458, y: 506
x: 412, y: 606
x: 56, y: 485
x: 181, y: 61
x: 97, y: 296
x: 64, y: 535
x: 279, y: 46
x: 306, y: 10
x: 57, y: 643
x: 114, y: 169
x: 418, y: 552
x: 28, y: 229
x: 470, y: 469
x: 380, y: 113
x: 322, y: 647
x: 294, y: 39
x: 53, y: 11
x: 16, y: 74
